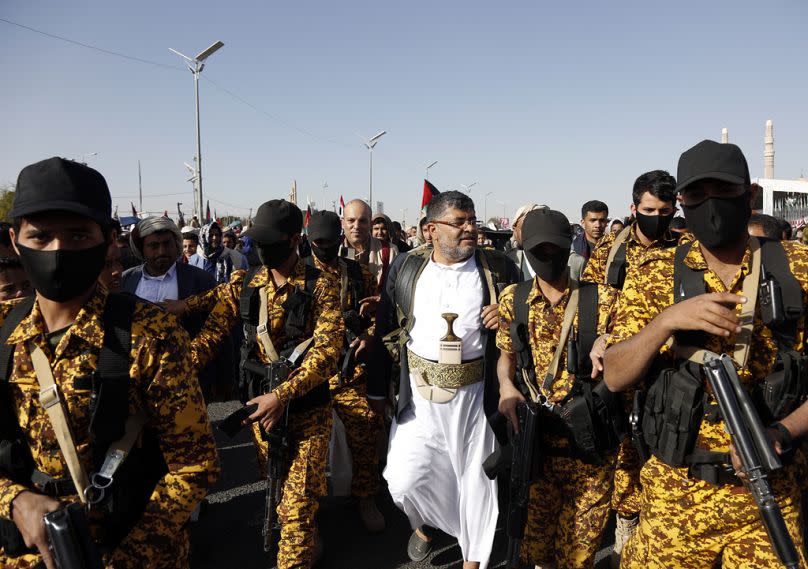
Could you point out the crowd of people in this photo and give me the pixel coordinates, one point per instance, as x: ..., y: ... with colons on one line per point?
x: 436, y: 340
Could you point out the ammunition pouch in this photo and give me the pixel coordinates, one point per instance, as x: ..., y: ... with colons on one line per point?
x: 674, y: 408
x: 786, y: 388
x: 596, y: 420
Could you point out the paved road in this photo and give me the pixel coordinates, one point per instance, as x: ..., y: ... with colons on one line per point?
x: 228, y: 533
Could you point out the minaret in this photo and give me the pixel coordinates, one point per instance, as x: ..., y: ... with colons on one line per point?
x: 768, y: 151
x: 293, y: 193
x: 724, y: 135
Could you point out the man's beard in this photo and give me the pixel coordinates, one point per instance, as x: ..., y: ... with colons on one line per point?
x: 454, y: 251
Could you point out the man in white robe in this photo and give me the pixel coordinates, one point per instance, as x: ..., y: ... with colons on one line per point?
x: 440, y: 435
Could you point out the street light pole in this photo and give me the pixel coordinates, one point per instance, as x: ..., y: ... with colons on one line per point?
x: 370, y: 145
x: 485, y: 211
x: 428, y: 167
x: 196, y: 65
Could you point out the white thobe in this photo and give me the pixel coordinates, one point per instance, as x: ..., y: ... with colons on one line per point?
x: 434, y: 465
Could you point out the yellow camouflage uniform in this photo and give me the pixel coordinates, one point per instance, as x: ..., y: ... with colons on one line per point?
x: 162, y: 383
x: 626, y: 495
x: 309, y: 430
x: 685, y: 522
x: 569, y: 505
x: 350, y: 401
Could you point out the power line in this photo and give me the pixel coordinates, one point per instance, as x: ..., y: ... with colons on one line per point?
x: 93, y: 47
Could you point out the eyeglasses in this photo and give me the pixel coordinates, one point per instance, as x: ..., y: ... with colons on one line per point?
x: 458, y: 223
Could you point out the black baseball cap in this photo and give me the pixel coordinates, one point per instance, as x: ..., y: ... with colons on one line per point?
x: 546, y: 226
x: 274, y: 221
x: 324, y: 225
x: 713, y: 160
x: 57, y: 184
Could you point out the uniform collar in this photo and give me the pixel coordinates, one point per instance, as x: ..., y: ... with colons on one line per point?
x: 696, y: 261
x: 535, y: 294
x: 667, y: 238
x: 88, y: 325
x: 296, y: 278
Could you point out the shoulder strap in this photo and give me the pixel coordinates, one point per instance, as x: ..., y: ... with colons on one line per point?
x: 248, y: 300
x: 17, y: 315
x: 520, y: 337
x: 775, y: 263
x: 615, y: 270
x: 587, y: 325
x: 490, y: 277
x: 687, y: 283
x: 114, y: 358
x: 569, y: 315
x: 52, y: 402
x: 411, y: 269
x: 311, y: 275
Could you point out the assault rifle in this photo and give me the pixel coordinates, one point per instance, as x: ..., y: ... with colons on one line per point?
x: 757, y: 454
x: 271, y: 376
x: 523, y: 468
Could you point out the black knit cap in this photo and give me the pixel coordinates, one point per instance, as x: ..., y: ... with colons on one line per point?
x: 57, y: 184
x: 325, y: 226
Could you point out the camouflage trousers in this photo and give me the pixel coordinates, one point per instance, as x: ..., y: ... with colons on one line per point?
x: 626, y: 493
x: 687, y: 523
x: 305, y: 484
x: 362, y: 427
x: 567, y: 512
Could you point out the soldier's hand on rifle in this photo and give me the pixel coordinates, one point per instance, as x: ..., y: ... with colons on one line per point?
x: 362, y: 344
x: 509, y: 398
x: 175, y: 307
x: 490, y: 316
x: 27, y: 511
x: 367, y: 306
x: 714, y: 313
x: 596, y: 355
x: 777, y: 440
x: 269, y: 410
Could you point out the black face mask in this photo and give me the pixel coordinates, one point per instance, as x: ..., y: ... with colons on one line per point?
x: 63, y: 274
x: 326, y: 254
x: 274, y: 254
x: 549, y: 269
x: 717, y: 222
x: 653, y: 226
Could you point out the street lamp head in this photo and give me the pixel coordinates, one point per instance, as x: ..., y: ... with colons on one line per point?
x: 430, y: 166
x: 377, y: 137
x: 202, y: 56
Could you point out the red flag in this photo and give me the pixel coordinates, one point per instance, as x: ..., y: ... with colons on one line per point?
x: 430, y: 192
x: 341, y: 206
x: 308, y: 217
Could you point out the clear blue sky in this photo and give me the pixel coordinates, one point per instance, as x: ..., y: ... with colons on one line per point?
x: 555, y: 102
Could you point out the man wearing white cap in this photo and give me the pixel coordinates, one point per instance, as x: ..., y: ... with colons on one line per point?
x: 517, y: 254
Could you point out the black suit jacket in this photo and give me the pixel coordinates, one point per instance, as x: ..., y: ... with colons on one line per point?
x: 386, y: 322
x: 191, y: 281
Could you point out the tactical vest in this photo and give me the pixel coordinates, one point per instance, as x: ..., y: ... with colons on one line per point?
x: 593, y: 418
x: 126, y: 499
x: 676, y: 403
x: 298, y: 310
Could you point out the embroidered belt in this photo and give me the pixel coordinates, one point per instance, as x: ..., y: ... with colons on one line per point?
x: 447, y: 376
